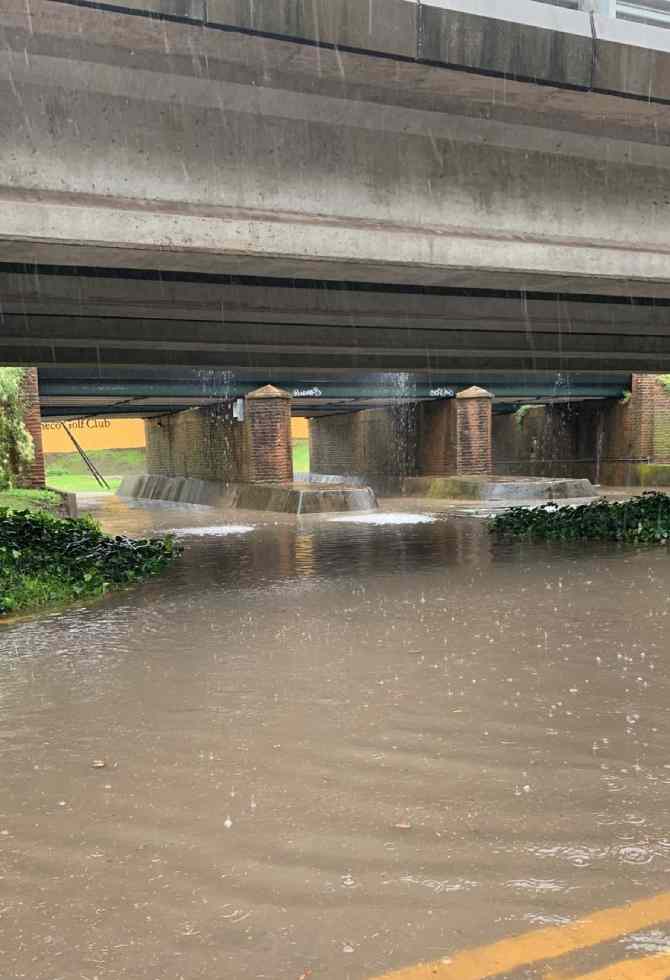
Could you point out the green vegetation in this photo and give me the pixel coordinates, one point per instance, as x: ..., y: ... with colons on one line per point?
x: 45, y: 560
x: 29, y: 500
x: 521, y: 414
x: 653, y: 474
x: 665, y: 380
x: 16, y: 444
x: 643, y: 520
x: 301, y: 455
x: 68, y: 471
x: 116, y: 462
x: 74, y: 483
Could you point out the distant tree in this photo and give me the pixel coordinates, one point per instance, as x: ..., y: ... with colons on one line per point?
x: 16, y: 445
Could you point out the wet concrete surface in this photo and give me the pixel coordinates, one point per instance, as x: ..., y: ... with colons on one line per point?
x: 332, y: 748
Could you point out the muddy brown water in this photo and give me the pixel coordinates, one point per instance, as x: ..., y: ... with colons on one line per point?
x: 332, y: 747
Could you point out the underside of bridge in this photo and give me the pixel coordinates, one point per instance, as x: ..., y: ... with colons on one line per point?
x: 359, y: 204
x: 113, y: 319
x: 294, y: 187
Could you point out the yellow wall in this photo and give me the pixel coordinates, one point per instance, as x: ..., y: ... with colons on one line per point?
x: 99, y: 433
x: 96, y: 433
x: 299, y: 428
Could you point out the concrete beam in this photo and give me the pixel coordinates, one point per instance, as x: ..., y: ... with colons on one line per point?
x: 379, y: 25
x: 189, y: 11
x: 223, y: 152
x: 322, y: 341
x: 104, y: 294
x: 515, y: 38
x: 308, y: 360
x: 341, y: 141
x: 518, y: 38
x: 637, y: 62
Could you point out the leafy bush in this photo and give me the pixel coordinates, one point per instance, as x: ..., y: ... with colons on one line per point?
x: 16, y: 444
x: 644, y: 519
x: 46, y: 559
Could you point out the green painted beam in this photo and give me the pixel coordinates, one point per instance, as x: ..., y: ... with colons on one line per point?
x: 307, y: 390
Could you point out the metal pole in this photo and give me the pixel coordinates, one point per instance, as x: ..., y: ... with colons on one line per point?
x: 97, y: 475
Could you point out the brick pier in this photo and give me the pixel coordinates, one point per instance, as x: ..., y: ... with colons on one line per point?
x: 33, y: 476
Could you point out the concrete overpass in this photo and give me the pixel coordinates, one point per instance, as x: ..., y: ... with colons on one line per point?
x: 445, y: 187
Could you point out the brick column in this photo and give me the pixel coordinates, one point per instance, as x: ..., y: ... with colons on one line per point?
x: 455, y: 435
x: 473, y: 431
x: 33, y: 476
x: 641, y: 410
x: 268, y: 456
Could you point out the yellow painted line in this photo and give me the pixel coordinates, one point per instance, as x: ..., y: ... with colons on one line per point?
x: 655, y: 967
x: 541, y: 944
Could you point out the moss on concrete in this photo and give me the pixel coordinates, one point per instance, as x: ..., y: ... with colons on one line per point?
x: 652, y: 474
x: 445, y: 487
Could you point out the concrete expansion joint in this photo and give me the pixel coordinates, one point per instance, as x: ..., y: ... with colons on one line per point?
x: 594, y: 49
x: 419, y: 31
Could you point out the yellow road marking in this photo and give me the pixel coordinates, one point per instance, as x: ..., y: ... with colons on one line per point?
x: 655, y: 967
x: 542, y: 944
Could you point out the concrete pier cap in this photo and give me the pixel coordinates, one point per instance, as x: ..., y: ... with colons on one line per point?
x: 475, y: 392
x: 268, y: 391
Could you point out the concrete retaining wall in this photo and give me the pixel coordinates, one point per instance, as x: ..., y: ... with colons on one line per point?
x: 289, y: 499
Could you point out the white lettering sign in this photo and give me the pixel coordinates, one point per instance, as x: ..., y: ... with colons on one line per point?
x: 307, y: 393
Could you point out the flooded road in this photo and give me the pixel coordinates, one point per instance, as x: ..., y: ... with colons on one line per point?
x: 333, y: 749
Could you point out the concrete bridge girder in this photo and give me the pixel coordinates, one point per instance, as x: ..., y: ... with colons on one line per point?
x: 53, y: 317
x: 179, y: 145
x: 229, y: 339
x: 390, y: 144
x: 42, y: 291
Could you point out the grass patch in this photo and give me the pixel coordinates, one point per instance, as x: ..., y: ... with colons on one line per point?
x: 67, y: 471
x: 116, y: 462
x: 82, y: 483
x: 301, y: 455
x: 45, y: 559
x: 29, y: 500
x: 641, y: 520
